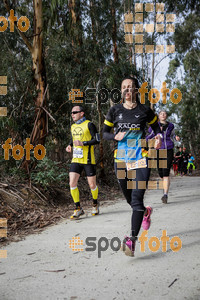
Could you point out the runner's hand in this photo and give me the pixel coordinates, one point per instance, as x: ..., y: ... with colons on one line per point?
x: 68, y: 148
x: 119, y: 136
x: 158, y: 142
x: 177, y: 138
x: 78, y: 143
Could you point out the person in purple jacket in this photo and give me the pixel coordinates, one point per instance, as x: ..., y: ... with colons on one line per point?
x: 168, y: 134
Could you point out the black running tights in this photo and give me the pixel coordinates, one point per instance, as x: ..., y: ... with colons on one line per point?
x: 133, y: 188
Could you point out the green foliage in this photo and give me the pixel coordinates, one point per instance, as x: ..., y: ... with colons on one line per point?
x: 11, y: 169
x: 18, y: 173
x: 186, y: 63
x: 49, y: 173
x: 81, y: 56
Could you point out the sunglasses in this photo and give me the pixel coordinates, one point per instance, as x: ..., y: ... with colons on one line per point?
x: 75, y: 112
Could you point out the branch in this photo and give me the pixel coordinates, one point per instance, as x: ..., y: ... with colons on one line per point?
x: 14, y: 69
x: 38, y: 114
x: 48, y: 114
x: 62, y: 105
x: 161, y: 60
x: 25, y: 40
x: 19, y: 102
x: 198, y: 57
x: 31, y: 36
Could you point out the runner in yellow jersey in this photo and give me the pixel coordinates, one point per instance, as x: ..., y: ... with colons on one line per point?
x: 83, y: 138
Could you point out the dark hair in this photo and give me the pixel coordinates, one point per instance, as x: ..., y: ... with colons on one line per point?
x: 134, y: 79
x: 80, y: 107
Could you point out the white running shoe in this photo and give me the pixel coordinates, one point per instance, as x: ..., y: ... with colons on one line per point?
x: 95, y: 209
x: 77, y: 213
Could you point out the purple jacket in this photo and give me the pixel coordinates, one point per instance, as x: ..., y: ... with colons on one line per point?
x: 168, y: 135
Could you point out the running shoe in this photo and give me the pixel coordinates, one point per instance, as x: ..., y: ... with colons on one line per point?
x: 123, y: 244
x: 146, y: 219
x: 164, y: 199
x: 77, y: 213
x: 128, y: 246
x: 95, y: 209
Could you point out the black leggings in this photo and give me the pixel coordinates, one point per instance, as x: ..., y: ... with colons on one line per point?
x: 135, y: 195
x: 164, y: 172
x: 184, y: 167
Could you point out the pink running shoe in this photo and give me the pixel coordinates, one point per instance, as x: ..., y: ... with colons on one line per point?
x: 128, y: 246
x: 146, y: 219
x: 123, y: 244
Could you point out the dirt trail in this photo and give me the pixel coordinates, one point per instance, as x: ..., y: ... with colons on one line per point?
x: 44, y: 267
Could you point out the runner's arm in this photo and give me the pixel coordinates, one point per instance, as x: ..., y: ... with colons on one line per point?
x: 95, y: 137
x: 173, y: 135
x: 107, y: 135
x: 151, y: 134
x: 108, y: 125
x: 71, y: 140
x: 153, y: 122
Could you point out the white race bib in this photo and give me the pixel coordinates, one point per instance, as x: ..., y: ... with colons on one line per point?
x: 77, y: 152
x: 141, y: 163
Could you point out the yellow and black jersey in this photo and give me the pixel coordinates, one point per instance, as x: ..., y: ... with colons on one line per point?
x: 133, y: 122
x: 86, y: 133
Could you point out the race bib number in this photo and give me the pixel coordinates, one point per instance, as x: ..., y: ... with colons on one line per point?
x: 77, y: 152
x: 141, y: 163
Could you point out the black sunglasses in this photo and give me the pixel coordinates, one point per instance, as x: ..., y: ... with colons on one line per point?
x: 75, y: 112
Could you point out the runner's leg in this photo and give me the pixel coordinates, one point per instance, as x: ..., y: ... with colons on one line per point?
x: 133, y: 185
x: 166, y: 175
x: 74, y: 174
x: 133, y: 190
x: 166, y: 184
x: 137, y: 196
x: 93, y: 187
x: 90, y: 171
x: 120, y: 169
x: 74, y: 177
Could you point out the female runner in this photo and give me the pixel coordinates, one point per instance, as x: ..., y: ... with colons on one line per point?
x: 131, y: 166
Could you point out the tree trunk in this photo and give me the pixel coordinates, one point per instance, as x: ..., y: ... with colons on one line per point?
x: 100, y: 121
x: 134, y: 59
x: 39, y: 74
x: 143, y: 73
x: 153, y: 58
x: 40, y: 130
x: 101, y: 150
x: 114, y: 31
x: 75, y: 26
x: 92, y: 16
x: 100, y: 116
x: 152, y: 74
x: 94, y: 32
